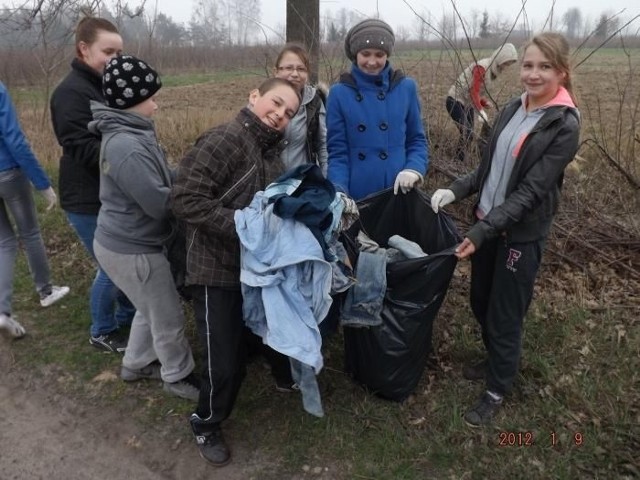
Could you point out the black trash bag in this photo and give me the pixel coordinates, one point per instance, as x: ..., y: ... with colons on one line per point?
x: 389, y: 359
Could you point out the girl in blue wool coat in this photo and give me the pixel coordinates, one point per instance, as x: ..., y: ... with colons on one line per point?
x: 375, y: 136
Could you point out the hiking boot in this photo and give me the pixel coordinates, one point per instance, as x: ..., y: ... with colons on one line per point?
x: 150, y: 372
x: 482, y: 413
x: 211, y: 446
x: 188, y: 388
x: 287, y: 387
x: 52, y: 294
x: 110, y: 342
x: 475, y: 372
x: 10, y: 327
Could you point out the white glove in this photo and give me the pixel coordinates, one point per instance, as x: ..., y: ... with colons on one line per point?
x: 482, y: 116
x: 405, y: 181
x: 441, y: 197
x: 50, y: 196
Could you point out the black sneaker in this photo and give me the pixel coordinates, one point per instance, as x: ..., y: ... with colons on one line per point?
x: 483, y: 412
x: 187, y: 388
x: 475, y: 372
x: 110, y: 342
x: 211, y: 446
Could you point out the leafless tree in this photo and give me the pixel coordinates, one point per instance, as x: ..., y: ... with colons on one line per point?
x: 240, y: 16
x: 48, y: 26
x: 420, y: 28
x: 572, y: 20
x: 207, y: 26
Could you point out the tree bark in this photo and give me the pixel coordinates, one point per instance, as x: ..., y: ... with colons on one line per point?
x: 303, y: 26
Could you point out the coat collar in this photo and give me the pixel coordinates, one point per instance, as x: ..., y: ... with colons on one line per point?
x: 387, y: 79
x: 266, y: 136
x: 86, y: 71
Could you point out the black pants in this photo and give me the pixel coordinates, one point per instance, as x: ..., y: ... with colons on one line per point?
x: 218, y: 316
x: 223, y: 335
x: 463, y: 116
x: 502, y: 279
x: 279, y: 363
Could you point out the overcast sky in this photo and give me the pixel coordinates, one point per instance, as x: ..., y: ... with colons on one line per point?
x: 399, y: 12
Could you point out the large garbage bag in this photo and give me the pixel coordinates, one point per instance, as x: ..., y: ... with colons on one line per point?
x: 389, y: 359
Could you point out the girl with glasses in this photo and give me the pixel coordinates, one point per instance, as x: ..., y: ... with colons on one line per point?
x: 306, y: 134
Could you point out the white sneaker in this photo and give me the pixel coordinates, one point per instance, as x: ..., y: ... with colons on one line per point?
x: 9, y: 326
x: 56, y: 294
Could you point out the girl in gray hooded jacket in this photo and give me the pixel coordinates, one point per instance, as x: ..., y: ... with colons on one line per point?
x: 306, y: 135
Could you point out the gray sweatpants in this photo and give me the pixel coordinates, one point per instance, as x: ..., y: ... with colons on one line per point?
x: 157, y: 331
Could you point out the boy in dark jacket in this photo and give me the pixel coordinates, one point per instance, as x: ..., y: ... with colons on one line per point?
x: 221, y: 174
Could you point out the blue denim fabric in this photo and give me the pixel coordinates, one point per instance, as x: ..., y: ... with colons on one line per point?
x: 363, y: 304
x: 408, y: 248
x: 305, y: 377
x: 16, y: 200
x: 336, y: 207
x: 308, y: 201
x: 342, y: 277
x: 110, y: 308
x: 285, y: 281
x: 285, y: 285
x: 283, y: 187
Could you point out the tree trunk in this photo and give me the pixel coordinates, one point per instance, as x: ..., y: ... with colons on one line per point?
x: 303, y: 26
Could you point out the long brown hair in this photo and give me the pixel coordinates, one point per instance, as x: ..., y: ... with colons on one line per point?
x: 88, y: 28
x: 555, y: 47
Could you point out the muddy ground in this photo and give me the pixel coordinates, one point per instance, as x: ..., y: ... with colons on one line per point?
x: 44, y: 435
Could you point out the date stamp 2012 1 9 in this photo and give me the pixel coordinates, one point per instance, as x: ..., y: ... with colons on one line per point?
x: 526, y: 439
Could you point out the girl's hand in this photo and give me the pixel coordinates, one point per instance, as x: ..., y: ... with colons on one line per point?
x: 50, y: 196
x: 465, y: 249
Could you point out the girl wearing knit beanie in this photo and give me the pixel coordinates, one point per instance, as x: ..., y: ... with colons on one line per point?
x: 375, y: 136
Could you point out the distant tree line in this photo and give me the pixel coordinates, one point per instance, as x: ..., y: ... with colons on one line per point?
x: 36, y: 37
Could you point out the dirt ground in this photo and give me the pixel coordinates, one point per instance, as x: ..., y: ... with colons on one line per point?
x: 46, y: 436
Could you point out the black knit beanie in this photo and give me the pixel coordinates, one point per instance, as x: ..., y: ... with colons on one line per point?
x: 128, y: 81
x: 369, y: 33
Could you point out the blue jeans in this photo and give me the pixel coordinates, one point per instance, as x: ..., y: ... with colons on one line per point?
x: 16, y: 199
x: 110, y: 308
x: 364, y: 301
